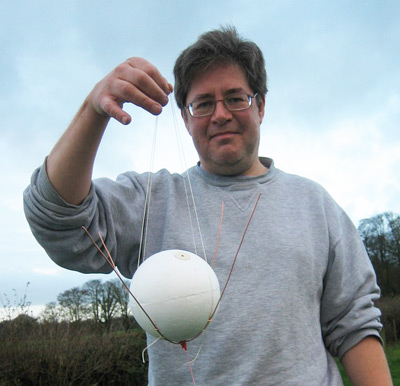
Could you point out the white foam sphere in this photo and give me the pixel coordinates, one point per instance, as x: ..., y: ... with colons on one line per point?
x: 178, y: 290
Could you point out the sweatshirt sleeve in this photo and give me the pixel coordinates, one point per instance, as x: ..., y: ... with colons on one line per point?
x: 348, y: 314
x: 113, y: 209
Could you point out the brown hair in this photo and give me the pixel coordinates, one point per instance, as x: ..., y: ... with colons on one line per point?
x: 219, y: 47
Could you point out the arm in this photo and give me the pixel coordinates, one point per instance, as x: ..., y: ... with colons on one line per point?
x: 70, y: 163
x: 366, y: 364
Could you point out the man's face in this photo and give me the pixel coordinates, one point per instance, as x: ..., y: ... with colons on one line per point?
x: 226, y: 141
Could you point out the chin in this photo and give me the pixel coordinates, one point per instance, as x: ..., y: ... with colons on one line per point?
x: 230, y: 167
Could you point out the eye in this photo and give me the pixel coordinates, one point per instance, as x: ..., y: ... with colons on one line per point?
x: 237, y: 100
x: 203, y: 105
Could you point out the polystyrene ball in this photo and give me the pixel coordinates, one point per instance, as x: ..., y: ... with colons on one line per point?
x: 178, y: 290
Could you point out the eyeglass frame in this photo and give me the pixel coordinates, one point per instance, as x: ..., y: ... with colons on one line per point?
x: 189, y: 107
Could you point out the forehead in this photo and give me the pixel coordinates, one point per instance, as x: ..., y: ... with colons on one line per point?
x: 218, y: 80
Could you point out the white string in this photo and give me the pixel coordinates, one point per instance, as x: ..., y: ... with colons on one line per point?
x: 146, y: 208
x: 148, y: 346
x: 202, y: 336
x: 184, y: 165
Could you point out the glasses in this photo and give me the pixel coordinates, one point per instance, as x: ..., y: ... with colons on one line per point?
x: 234, y: 102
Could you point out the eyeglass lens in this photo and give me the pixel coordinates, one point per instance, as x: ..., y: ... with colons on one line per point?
x: 234, y: 102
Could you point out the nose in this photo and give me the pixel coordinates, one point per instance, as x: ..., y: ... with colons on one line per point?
x: 221, y: 113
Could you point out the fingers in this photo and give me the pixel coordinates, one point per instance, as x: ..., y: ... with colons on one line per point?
x: 135, y: 81
x: 151, y: 71
x: 149, y: 85
x: 114, y: 110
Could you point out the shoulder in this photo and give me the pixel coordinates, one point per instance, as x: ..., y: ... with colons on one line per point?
x: 310, y: 196
x: 300, y: 185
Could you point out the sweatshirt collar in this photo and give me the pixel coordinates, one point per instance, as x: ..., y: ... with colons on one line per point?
x: 220, y: 180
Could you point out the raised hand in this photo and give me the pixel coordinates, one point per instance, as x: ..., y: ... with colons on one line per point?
x: 134, y: 81
x: 70, y: 163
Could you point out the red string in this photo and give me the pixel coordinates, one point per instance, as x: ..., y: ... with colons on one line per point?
x: 234, y: 260
x: 184, y: 346
x: 219, y: 234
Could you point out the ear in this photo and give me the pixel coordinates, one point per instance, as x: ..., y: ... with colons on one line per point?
x: 185, y: 118
x: 261, y: 107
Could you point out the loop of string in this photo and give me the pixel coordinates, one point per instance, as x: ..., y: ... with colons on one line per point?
x: 189, y: 195
x: 184, y: 167
x: 107, y: 256
x: 145, y: 220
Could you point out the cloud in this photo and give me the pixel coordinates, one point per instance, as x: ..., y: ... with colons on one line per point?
x: 47, y: 271
x: 332, y: 110
x: 353, y: 158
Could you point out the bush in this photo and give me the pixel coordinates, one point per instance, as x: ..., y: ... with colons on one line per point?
x: 35, y: 353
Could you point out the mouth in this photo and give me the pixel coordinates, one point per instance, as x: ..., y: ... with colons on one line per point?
x: 224, y: 135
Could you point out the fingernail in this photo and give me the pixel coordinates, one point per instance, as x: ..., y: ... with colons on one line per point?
x: 155, y: 109
x: 167, y: 89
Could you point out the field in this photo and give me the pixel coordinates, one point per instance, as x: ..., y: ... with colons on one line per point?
x: 66, y: 354
x: 77, y: 354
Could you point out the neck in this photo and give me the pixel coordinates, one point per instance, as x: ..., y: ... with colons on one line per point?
x: 255, y: 169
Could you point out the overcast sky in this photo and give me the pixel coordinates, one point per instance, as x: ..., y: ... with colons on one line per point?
x: 333, y: 107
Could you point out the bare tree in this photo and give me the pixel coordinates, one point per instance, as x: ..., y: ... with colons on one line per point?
x: 123, y: 296
x: 51, y: 313
x: 102, y: 300
x: 73, y: 302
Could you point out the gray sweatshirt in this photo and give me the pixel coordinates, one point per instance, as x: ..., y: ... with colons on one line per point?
x: 301, y: 292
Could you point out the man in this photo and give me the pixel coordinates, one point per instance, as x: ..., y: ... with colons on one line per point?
x: 303, y: 288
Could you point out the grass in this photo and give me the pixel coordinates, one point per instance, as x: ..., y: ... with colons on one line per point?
x: 393, y: 356
x: 393, y: 353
